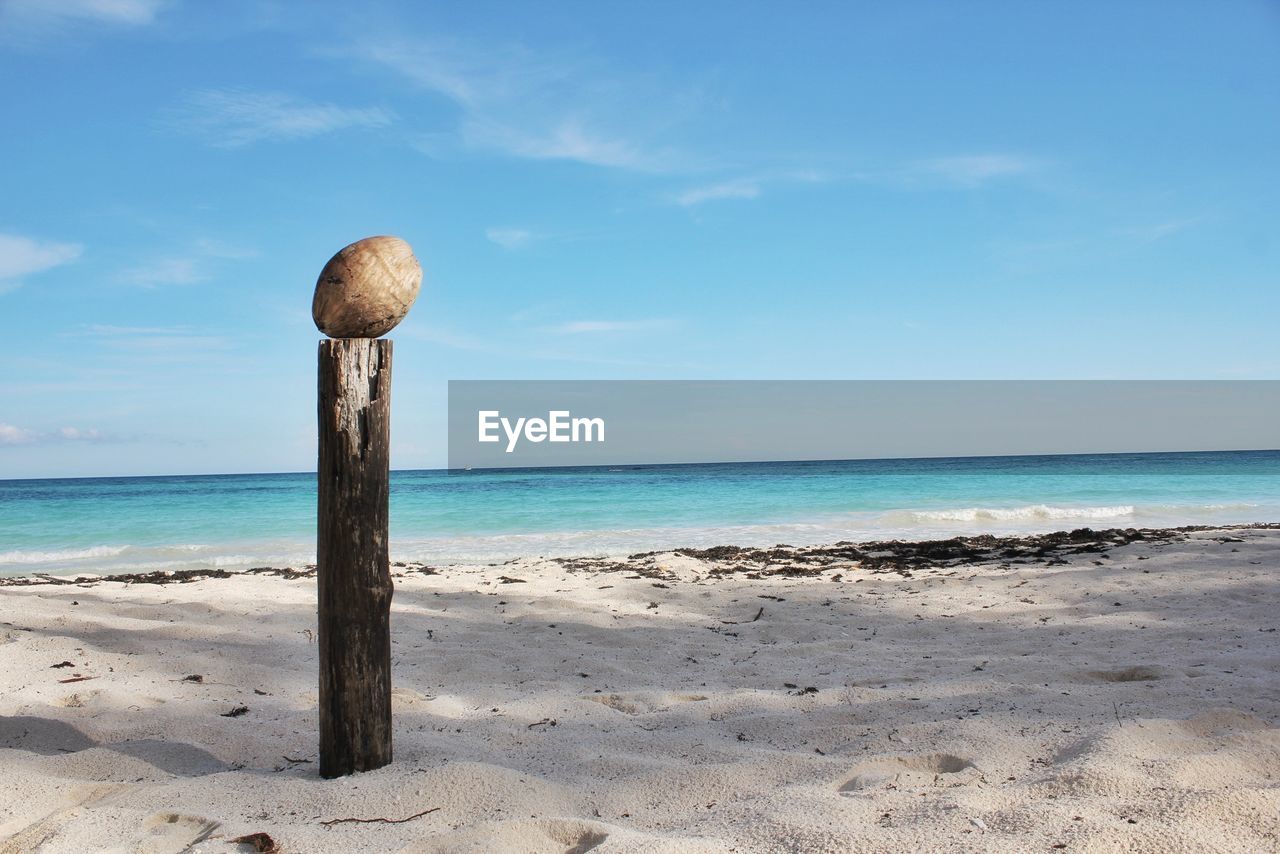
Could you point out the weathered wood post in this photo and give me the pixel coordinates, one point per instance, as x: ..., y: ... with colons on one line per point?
x: 362, y: 293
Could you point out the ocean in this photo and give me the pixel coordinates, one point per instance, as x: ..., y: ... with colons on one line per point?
x: 135, y: 524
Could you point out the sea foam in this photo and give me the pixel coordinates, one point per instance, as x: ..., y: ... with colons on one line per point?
x: 1029, y: 512
x: 26, y: 558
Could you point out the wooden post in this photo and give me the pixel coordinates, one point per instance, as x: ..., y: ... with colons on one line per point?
x: 353, y: 572
x: 363, y: 292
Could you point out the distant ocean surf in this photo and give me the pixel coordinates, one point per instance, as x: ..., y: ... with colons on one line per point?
x: 108, y: 525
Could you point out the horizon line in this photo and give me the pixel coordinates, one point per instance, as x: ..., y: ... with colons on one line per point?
x: 462, y: 469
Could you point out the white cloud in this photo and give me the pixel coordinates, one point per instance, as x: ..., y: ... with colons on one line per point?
x: 567, y: 140
x: 102, y: 329
x: 462, y: 73
x: 46, y: 13
x: 577, y: 327
x: 217, y: 249
x: 536, y: 107
x: 76, y: 434
x: 153, y: 339
x: 23, y: 256
x: 727, y: 190
x: 973, y: 170
x: 11, y: 435
x: 164, y: 271
x: 1161, y: 230
x: 509, y: 238
x: 233, y: 118
x: 186, y: 269
x: 446, y: 338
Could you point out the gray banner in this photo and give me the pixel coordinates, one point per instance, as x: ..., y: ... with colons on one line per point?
x: 501, y: 424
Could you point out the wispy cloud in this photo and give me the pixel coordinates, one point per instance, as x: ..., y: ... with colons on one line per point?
x: 1160, y: 230
x: 210, y: 248
x: 163, y: 271
x: 189, y: 267
x: 974, y: 170
x: 539, y: 107
x: 578, y: 327
x: 78, y: 434
x: 24, y: 256
x: 1063, y: 251
x: 464, y: 73
x: 447, y: 338
x: 569, y: 139
x: 104, y: 329
x: 713, y: 192
x: 11, y: 434
x: 45, y: 15
x: 152, y: 339
x: 509, y: 238
x: 233, y: 118
x: 750, y: 186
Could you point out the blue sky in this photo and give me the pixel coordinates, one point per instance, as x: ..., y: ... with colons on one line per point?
x: 649, y: 190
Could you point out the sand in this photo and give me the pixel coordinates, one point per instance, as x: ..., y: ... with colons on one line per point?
x: 1096, y: 695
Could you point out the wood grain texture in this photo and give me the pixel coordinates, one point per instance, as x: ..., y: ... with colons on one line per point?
x: 353, y: 572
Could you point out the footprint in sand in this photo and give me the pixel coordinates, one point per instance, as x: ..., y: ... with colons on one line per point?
x: 407, y: 699
x: 87, y: 699
x: 538, y: 836
x: 1218, y: 748
x: 912, y: 770
x: 46, y: 829
x: 643, y: 702
x: 1221, y: 723
x: 173, y: 832
x: 1138, y: 673
x: 578, y: 837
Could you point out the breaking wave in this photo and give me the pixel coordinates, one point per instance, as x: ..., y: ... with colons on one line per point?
x: 1029, y: 512
x: 34, y: 558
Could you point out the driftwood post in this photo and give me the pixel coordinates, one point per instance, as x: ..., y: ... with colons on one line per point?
x: 363, y: 292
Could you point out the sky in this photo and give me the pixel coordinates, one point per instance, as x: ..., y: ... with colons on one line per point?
x: 980, y: 190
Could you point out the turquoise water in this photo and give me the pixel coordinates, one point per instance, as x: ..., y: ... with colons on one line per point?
x: 237, y: 521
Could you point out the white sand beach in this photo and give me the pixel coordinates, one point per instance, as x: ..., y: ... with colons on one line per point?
x: 1089, y: 696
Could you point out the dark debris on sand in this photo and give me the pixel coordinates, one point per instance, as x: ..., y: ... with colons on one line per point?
x: 902, y: 557
x: 881, y: 556
x: 173, y: 576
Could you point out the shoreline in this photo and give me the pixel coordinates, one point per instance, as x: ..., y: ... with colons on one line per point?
x: 873, y: 555
x: 238, y: 522
x: 1087, y: 691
